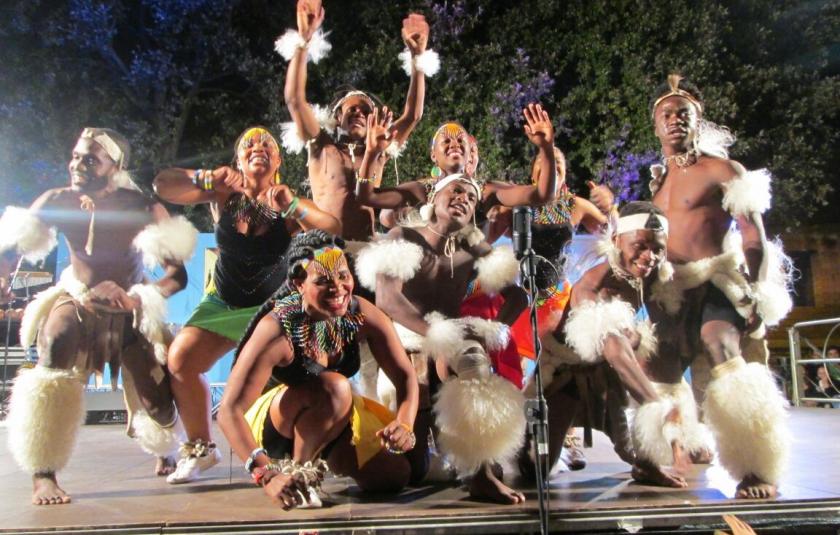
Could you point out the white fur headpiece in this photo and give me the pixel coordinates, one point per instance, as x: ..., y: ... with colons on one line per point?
x: 591, y: 322
x: 713, y: 139
x: 748, y: 194
x: 497, y: 270
x: 24, y: 231
x: 427, y: 63
x: 172, y: 239
x: 318, y: 47
x: 399, y: 259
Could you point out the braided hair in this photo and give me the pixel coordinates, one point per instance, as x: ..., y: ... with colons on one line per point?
x: 302, y: 248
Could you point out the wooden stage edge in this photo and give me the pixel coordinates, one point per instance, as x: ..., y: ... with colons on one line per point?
x: 114, y: 491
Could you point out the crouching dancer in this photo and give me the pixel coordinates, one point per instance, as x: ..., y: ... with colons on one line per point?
x: 306, y: 338
x: 421, y: 275
x: 591, y: 360
x: 101, y: 311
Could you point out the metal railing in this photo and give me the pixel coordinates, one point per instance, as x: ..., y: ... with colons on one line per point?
x: 795, y: 340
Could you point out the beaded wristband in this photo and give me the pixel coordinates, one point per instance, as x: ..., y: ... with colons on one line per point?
x: 292, y: 205
x: 302, y: 213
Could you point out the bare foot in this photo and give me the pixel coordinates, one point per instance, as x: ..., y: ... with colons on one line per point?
x: 45, y: 490
x: 165, y: 465
x: 485, y: 485
x: 703, y: 456
x: 753, y: 487
x: 651, y: 474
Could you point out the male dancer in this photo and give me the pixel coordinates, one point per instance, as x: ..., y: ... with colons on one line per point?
x: 594, y: 350
x: 719, y: 291
x: 334, y: 160
x: 101, y: 311
x: 421, y: 275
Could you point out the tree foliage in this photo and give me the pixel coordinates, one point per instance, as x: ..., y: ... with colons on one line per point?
x: 183, y: 77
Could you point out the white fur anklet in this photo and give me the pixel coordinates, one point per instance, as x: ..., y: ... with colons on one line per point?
x: 45, y: 412
x: 653, y: 434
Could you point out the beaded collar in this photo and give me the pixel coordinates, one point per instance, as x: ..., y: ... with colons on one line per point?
x: 316, y: 337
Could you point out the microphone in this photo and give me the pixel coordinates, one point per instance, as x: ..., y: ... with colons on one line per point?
x: 522, y: 217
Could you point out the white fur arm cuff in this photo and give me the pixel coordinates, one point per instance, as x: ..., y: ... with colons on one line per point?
x: 494, y: 335
x: 172, y: 239
x: 399, y: 259
x: 748, y: 194
x: 318, y: 47
x: 590, y: 323
x: 28, y: 235
x: 497, y: 270
x: 427, y: 63
x: 445, y: 337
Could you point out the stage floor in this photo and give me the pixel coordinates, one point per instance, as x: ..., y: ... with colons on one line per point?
x: 114, y: 491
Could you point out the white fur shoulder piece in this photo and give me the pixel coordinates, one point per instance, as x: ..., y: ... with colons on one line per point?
x: 750, y: 193
x: 497, y: 270
x: 22, y: 230
x: 396, y: 258
x: 171, y: 239
x: 591, y: 322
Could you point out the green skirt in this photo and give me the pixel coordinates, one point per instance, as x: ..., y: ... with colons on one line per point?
x: 214, y: 315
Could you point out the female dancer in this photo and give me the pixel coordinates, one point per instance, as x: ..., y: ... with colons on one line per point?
x: 306, y: 338
x: 255, y: 216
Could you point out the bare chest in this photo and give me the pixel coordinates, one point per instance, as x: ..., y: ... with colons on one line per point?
x: 686, y: 190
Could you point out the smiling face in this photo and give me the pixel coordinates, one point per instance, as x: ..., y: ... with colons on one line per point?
x: 328, y: 285
x: 641, y: 251
x: 675, y: 123
x: 456, y: 202
x: 258, y: 154
x: 90, y: 166
x: 451, y: 148
x: 352, y: 116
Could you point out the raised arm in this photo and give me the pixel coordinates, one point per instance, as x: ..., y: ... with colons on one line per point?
x: 380, y: 132
x: 540, y: 132
x: 310, y: 16
x: 415, y: 34
x: 587, y: 214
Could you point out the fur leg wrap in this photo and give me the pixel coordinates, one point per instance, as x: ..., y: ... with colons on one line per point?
x: 399, y: 259
x: 172, y: 239
x: 653, y: 434
x: 497, y: 270
x: 45, y: 412
x: 24, y: 232
x: 746, y: 412
x: 696, y: 437
x: 481, y: 416
x: 150, y: 320
x: 590, y: 323
x: 155, y: 439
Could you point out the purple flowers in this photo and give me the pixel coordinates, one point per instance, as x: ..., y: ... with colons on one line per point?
x: 527, y: 87
x: 627, y: 173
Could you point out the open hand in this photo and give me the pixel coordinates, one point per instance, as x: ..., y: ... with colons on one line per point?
x: 111, y: 294
x: 601, y: 196
x: 284, y: 489
x: 415, y: 33
x: 379, y: 132
x: 539, y: 129
x: 310, y: 16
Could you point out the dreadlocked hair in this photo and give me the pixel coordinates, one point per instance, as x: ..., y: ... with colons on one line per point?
x: 302, y: 248
x: 684, y: 84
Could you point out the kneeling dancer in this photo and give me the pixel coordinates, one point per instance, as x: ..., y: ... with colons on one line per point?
x: 591, y: 360
x: 421, y: 275
x: 102, y: 310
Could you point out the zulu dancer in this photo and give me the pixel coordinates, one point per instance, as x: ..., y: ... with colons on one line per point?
x: 335, y: 138
x: 721, y: 290
x: 446, y: 254
x: 255, y: 216
x: 594, y: 349
x: 102, y: 310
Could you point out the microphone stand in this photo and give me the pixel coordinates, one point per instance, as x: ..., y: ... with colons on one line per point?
x: 9, y: 307
x: 536, y: 409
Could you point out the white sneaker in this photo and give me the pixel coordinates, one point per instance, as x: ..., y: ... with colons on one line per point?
x: 190, y: 467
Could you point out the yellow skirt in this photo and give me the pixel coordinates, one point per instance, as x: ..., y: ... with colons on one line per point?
x: 367, y: 418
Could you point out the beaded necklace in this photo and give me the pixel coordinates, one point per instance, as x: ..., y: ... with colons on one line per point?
x: 250, y: 211
x: 558, y: 212
x: 316, y: 338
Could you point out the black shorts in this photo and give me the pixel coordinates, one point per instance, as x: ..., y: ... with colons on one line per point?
x: 717, y: 307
